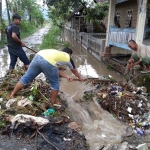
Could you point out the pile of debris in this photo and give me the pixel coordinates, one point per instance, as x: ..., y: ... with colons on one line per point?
x: 27, y: 117
x: 126, y: 102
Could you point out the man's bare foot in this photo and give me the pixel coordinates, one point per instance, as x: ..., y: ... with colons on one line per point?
x: 11, y: 96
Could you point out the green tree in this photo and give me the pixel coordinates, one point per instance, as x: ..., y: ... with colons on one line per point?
x: 59, y: 10
x: 29, y: 10
x: 97, y: 12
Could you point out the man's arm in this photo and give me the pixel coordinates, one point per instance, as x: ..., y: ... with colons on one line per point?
x: 61, y: 74
x: 15, y: 37
x: 75, y: 72
x: 136, y: 63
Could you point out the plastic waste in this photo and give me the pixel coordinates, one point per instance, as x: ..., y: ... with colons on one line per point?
x: 115, y: 89
x: 23, y: 118
x: 129, y: 109
x: 31, y: 98
x: 142, y: 90
x: 147, y: 132
x: 139, y: 131
x: 10, y: 102
x: 144, y: 124
x: 49, y: 112
x: 145, y: 94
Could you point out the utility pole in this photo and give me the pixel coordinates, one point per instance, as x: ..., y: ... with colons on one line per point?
x: 1, y: 33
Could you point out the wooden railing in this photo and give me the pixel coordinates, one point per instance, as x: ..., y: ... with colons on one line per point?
x: 119, y: 37
x: 94, y: 42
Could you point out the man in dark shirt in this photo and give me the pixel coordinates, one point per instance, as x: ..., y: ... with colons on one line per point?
x: 15, y: 44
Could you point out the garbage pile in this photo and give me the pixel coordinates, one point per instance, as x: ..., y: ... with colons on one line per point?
x: 126, y: 102
x: 29, y: 115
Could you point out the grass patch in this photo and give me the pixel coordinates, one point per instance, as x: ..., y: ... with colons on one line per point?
x: 66, y: 44
x: 51, y: 39
x: 27, y: 29
x: 26, y: 34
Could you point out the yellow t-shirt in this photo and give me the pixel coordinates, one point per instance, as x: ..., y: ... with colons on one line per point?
x: 54, y: 56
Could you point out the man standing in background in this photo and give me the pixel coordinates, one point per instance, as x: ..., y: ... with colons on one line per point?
x: 15, y: 44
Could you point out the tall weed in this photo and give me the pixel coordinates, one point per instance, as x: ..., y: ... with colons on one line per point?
x: 26, y: 29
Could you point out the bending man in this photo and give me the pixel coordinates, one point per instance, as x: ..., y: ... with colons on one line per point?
x: 71, y: 65
x: 46, y: 61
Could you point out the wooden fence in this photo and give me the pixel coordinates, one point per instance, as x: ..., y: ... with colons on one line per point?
x: 93, y: 42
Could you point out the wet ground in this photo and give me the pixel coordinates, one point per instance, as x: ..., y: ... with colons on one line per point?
x: 99, y: 127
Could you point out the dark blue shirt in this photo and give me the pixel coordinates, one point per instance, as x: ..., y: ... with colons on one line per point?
x: 9, y: 30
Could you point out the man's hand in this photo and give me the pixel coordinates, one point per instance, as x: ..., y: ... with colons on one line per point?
x: 70, y: 79
x: 22, y: 44
x: 80, y: 79
x: 136, y: 63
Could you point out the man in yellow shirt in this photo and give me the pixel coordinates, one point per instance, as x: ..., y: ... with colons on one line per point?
x: 46, y: 61
x: 140, y: 56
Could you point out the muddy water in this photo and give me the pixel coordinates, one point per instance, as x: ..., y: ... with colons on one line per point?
x: 99, y: 127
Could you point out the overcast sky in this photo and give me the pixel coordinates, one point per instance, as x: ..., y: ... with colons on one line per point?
x: 38, y: 1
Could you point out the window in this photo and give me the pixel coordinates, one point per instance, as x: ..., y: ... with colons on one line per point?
x: 128, y: 21
x: 117, y: 19
x: 118, y: 15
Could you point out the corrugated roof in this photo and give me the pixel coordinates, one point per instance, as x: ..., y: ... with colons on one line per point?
x: 75, y: 11
x: 120, y: 1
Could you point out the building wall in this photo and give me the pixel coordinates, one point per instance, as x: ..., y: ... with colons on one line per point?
x: 68, y: 24
x: 123, y: 9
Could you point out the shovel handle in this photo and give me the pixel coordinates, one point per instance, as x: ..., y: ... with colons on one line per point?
x: 31, y: 49
x: 85, y: 79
